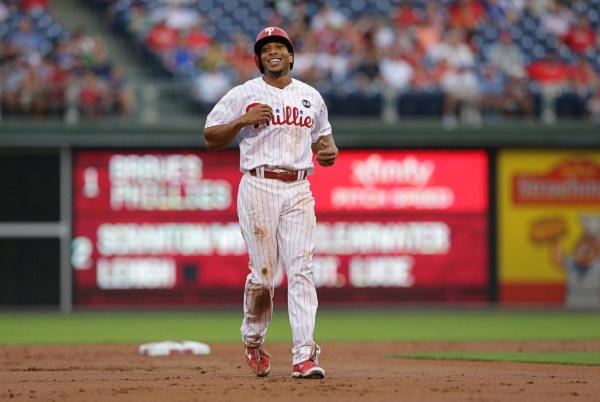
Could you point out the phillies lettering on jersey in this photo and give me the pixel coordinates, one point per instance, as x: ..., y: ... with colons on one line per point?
x: 299, y: 119
x: 291, y: 117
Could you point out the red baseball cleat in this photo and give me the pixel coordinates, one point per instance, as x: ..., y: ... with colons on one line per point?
x: 258, y: 360
x: 308, y: 369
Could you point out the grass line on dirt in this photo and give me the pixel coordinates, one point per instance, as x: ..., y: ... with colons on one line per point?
x: 580, y: 358
x: 332, y: 326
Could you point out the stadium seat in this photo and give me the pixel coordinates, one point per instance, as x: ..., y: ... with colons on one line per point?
x: 490, y: 33
x: 515, y: 32
x: 526, y: 43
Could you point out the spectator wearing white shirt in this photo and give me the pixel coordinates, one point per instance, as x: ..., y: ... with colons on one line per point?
x: 459, y: 82
x: 307, y: 65
x: 210, y: 86
x: 557, y: 20
x: 176, y: 15
x: 383, y: 33
x: 453, y: 49
x: 327, y: 18
x: 395, y: 70
x: 507, y: 56
x: 4, y: 13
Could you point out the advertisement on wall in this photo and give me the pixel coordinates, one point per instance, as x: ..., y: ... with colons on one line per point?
x: 160, y: 227
x: 549, y: 228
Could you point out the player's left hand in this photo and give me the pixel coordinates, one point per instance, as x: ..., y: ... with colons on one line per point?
x: 327, y: 153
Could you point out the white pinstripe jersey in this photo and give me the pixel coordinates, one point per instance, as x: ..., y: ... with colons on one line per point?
x: 300, y: 118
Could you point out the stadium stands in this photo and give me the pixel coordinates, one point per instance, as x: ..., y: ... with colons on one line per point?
x: 46, y: 70
x: 386, y: 58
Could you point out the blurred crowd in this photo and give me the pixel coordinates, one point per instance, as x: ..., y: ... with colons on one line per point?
x: 481, y: 59
x: 487, y: 58
x: 47, y: 71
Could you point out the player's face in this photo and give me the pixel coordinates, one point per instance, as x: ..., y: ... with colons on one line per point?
x: 276, y: 58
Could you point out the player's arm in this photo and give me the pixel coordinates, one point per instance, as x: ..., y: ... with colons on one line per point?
x: 220, y: 136
x: 326, y: 150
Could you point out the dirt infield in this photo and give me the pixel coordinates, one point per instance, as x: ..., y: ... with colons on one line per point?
x: 355, y: 372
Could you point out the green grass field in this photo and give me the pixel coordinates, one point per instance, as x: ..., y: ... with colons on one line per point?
x: 332, y: 326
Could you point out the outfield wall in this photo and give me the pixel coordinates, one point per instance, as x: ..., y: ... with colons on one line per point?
x: 109, y: 220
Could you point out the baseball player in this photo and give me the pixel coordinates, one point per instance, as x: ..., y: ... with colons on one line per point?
x: 279, y: 123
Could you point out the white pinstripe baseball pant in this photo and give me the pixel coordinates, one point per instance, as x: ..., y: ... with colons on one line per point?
x: 278, y: 223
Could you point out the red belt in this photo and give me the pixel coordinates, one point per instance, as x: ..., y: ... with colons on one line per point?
x: 283, y: 176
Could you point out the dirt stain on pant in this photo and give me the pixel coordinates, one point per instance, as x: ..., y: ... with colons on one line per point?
x: 259, y: 233
x: 260, y: 301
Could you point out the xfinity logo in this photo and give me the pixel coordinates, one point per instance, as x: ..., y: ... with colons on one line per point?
x: 376, y: 170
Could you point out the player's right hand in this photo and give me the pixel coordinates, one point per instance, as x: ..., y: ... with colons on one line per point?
x: 258, y: 114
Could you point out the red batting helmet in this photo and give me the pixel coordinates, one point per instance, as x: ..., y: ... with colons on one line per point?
x: 271, y: 34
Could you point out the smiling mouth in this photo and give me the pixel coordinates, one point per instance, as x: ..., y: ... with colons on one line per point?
x: 274, y: 61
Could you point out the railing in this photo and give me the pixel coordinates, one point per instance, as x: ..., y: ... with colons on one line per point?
x: 147, y: 103
x: 150, y: 103
x: 163, y: 101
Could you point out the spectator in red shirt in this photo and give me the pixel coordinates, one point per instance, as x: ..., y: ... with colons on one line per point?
x: 30, y: 5
x: 406, y: 15
x: 466, y: 14
x: 549, y: 70
x: 195, y: 39
x: 581, y: 36
x: 552, y: 75
x: 58, y: 80
x: 90, y: 96
x: 161, y: 37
